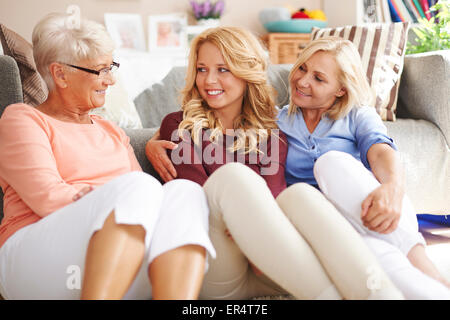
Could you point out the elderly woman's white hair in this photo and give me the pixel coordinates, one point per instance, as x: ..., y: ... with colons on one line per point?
x: 56, y: 38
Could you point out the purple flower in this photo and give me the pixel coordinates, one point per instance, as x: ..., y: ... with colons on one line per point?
x: 197, y: 9
x: 206, y: 8
x: 218, y: 8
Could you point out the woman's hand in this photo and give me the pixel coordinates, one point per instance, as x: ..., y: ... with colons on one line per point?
x: 382, y: 208
x: 155, y: 150
x: 82, y: 193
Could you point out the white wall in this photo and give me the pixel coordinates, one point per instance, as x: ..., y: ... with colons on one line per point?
x: 343, y: 12
x: 22, y: 15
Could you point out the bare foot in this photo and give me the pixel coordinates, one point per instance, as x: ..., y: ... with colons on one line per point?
x: 418, y: 257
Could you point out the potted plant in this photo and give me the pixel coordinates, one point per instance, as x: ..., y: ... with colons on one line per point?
x: 207, y: 12
x: 433, y: 34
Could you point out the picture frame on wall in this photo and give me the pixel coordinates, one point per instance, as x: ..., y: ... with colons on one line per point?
x: 167, y: 33
x: 193, y: 31
x: 126, y: 30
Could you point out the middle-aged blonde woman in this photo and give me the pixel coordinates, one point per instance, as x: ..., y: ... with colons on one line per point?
x: 228, y: 115
x: 129, y: 237
x: 338, y: 143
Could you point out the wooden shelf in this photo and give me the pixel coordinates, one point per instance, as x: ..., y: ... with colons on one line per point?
x: 284, y: 48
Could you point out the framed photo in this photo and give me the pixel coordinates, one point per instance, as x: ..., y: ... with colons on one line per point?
x: 167, y: 33
x: 193, y: 31
x: 126, y: 30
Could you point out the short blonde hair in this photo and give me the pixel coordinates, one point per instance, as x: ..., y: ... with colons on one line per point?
x: 247, y: 60
x: 56, y: 39
x: 351, y: 75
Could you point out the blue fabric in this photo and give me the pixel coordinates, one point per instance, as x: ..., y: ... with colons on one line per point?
x: 440, y: 219
x: 354, y: 134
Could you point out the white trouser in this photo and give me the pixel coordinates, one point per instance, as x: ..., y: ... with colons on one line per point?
x: 346, y: 183
x: 45, y: 260
x: 291, y: 240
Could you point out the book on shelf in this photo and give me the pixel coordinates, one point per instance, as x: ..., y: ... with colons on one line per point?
x: 397, y: 10
x: 379, y: 11
x: 409, y: 6
x: 426, y: 8
x: 383, y: 11
x: 430, y: 4
x: 419, y: 8
x: 414, y: 9
x: 402, y: 10
x: 394, y: 13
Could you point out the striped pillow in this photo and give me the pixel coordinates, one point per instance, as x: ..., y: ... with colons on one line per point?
x: 382, y: 50
x: 33, y: 86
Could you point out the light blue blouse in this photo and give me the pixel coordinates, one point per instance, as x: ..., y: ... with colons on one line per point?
x: 354, y: 134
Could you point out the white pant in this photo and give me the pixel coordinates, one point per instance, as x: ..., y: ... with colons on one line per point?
x: 300, y: 241
x: 45, y: 260
x: 346, y: 183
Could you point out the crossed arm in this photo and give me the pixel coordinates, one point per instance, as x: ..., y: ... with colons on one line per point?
x: 380, y: 211
x: 382, y: 208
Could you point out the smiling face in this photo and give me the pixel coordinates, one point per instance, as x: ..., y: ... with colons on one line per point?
x: 315, y: 84
x: 88, y: 90
x: 221, y: 90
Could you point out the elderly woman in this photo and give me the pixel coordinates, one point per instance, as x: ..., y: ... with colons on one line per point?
x: 129, y: 237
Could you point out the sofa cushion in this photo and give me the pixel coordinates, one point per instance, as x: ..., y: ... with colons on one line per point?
x: 382, y: 50
x: 33, y: 86
x: 118, y: 107
x: 11, y: 90
x: 155, y: 102
x: 425, y: 89
x: 424, y: 154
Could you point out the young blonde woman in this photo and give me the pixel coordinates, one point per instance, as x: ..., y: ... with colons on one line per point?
x: 338, y: 142
x: 228, y: 116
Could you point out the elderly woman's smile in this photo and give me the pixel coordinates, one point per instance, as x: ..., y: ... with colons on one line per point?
x: 87, y: 88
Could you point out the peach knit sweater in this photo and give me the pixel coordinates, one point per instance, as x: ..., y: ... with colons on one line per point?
x: 44, y: 162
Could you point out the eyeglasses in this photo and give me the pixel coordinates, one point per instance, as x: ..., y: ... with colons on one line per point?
x: 102, y: 73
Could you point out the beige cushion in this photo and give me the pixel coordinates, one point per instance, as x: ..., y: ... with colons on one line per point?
x: 382, y: 50
x: 119, y: 108
x: 34, y: 88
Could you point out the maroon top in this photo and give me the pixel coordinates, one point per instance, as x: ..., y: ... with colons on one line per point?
x: 197, y: 165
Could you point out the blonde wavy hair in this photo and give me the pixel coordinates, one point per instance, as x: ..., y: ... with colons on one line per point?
x: 246, y: 59
x: 351, y: 75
